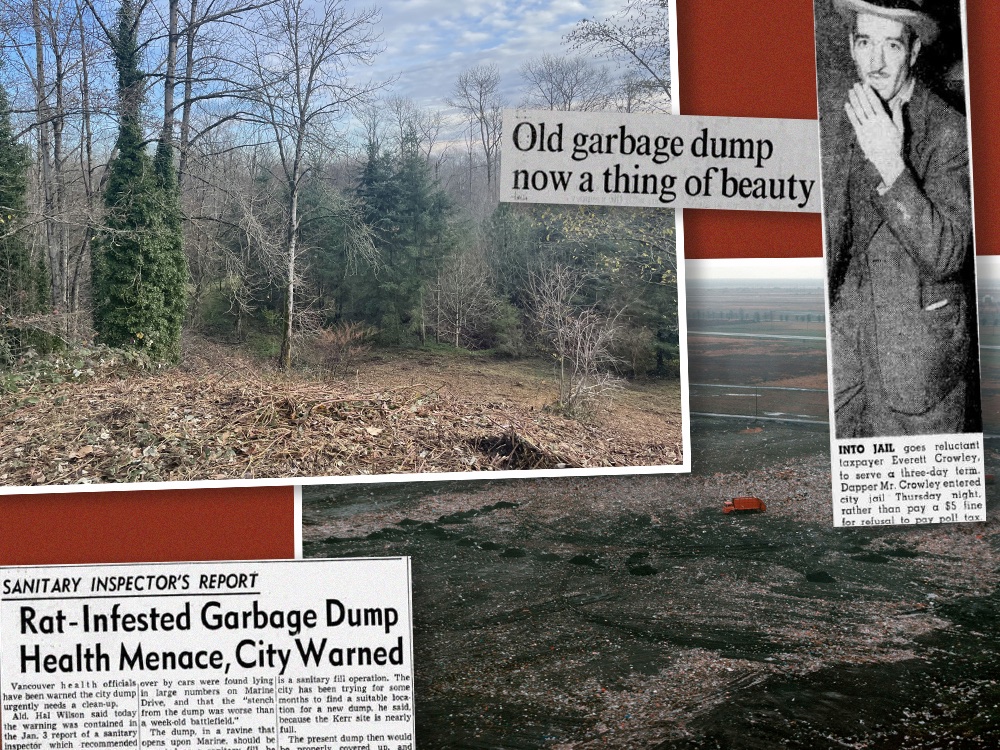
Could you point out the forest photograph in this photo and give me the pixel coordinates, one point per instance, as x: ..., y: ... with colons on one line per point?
x: 261, y: 239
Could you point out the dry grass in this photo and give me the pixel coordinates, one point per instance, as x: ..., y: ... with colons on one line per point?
x: 219, y: 416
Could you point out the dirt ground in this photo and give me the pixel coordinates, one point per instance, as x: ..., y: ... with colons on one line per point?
x: 578, y: 613
x: 777, y: 362
x: 219, y: 416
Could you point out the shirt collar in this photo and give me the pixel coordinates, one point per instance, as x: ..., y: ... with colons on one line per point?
x: 904, y: 95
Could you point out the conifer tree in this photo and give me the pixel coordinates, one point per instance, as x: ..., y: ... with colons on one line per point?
x: 408, y: 213
x: 138, y: 265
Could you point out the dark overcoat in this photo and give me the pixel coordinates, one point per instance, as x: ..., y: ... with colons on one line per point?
x: 912, y: 267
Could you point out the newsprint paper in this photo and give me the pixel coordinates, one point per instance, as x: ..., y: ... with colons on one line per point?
x: 659, y: 161
x: 260, y: 655
x: 907, y: 442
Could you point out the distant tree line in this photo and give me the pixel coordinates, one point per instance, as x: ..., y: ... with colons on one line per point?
x: 757, y: 316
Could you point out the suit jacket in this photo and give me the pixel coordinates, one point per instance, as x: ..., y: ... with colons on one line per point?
x: 915, y: 252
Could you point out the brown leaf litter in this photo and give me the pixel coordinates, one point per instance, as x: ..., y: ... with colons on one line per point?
x: 205, y: 421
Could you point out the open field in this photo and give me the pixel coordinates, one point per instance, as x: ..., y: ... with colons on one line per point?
x: 785, y: 295
x: 742, y: 357
x: 989, y: 353
x: 990, y: 362
x: 756, y: 404
x: 745, y: 361
x: 814, y: 329
x: 754, y: 378
x: 739, y: 350
x: 763, y: 307
x: 989, y: 335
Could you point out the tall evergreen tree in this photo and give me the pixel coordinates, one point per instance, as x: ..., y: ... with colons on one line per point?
x: 139, y: 270
x: 22, y: 283
x: 408, y: 213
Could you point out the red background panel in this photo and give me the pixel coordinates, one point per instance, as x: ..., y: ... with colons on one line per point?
x: 984, y: 91
x: 148, y: 526
x: 749, y: 58
x: 756, y: 58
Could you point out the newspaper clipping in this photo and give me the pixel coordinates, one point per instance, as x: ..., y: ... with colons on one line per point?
x: 679, y: 161
x: 907, y: 445
x: 266, y: 655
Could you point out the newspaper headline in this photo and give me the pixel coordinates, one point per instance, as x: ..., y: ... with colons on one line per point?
x: 665, y: 161
x: 265, y: 655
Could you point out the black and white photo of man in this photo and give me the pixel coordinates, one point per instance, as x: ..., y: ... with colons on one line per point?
x: 898, y: 224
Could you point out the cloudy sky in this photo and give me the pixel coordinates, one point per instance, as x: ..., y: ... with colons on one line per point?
x: 429, y: 42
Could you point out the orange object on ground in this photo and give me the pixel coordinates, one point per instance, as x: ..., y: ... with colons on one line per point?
x: 744, y: 504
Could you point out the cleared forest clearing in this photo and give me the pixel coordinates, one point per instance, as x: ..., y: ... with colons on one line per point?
x: 218, y: 415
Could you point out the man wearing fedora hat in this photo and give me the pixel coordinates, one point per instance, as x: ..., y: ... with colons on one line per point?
x: 898, y: 219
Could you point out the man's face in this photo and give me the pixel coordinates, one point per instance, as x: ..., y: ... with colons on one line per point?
x: 884, y: 52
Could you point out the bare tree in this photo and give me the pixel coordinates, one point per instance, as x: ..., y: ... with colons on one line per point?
x: 260, y: 244
x: 410, y: 119
x: 62, y: 46
x: 565, y: 83
x: 581, y: 337
x: 301, y: 73
x: 463, y: 300
x: 214, y: 240
x: 210, y: 35
x: 637, y: 37
x: 51, y: 64
x: 632, y: 93
x: 477, y: 96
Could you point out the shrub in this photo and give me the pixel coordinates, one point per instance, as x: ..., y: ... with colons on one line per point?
x: 74, y: 364
x: 342, y: 345
x: 634, y: 348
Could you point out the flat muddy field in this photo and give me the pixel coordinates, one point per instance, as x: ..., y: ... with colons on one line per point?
x: 629, y: 612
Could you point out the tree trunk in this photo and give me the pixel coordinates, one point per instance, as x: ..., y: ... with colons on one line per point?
x: 58, y: 179
x: 170, y: 76
x: 285, y: 357
x: 44, y: 156
x: 423, y: 317
x: 185, y: 134
x: 437, y: 324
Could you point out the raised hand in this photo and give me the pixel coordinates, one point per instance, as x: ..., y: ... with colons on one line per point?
x: 879, y: 134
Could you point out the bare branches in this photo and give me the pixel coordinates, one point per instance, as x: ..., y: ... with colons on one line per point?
x: 477, y: 96
x: 637, y: 37
x: 409, y: 119
x: 462, y: 300
x: 565, y: 83
x: 300, y: 76
x: 582, y: 338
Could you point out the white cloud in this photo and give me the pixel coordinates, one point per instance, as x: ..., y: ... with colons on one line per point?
x: 429, y: 42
